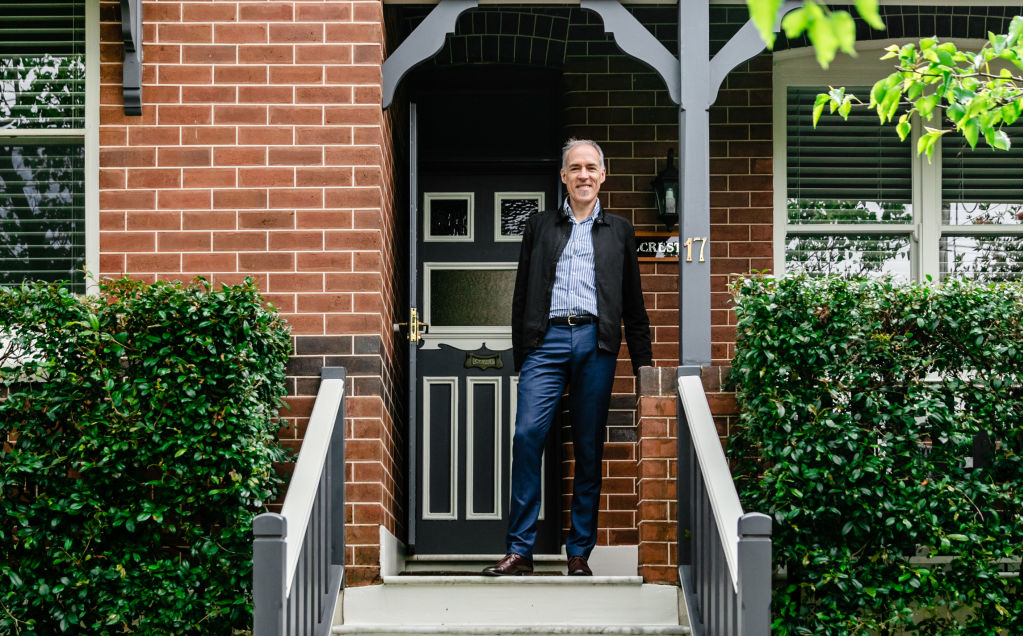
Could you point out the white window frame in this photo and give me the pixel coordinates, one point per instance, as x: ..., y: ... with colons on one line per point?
x: 799, y: 67
x: 90, y: 138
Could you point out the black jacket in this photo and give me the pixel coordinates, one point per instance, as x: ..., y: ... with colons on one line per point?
x: 619, y: 294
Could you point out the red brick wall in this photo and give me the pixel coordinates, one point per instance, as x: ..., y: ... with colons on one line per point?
x: 262, y: 151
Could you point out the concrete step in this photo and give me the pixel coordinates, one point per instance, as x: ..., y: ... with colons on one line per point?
x: 512, y: 605
x: 517, y: 630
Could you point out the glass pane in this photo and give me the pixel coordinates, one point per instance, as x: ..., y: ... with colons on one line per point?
x: 42, y: 212
x: 471, y: 297
x: 854, y: 171
x: 42, y: 64
x: 982, y: 186
x: 515, y: 212
x: 852, y: 254
x: 982, y: 257
x: 449, y: 217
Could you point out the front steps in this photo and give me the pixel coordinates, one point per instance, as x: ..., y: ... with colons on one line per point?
x: 521, y: 605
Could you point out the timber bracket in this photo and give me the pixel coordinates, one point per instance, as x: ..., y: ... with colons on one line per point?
x: 131, y: 34
x: 422, y: 44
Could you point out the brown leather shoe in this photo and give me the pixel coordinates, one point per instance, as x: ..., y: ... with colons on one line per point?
x: 511, y: 565
x: 577, y: 566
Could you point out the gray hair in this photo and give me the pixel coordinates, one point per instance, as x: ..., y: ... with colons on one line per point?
x: 572, y: 143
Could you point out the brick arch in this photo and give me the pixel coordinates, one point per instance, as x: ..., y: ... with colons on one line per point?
x: 914, y: 22
x: 502, y: 35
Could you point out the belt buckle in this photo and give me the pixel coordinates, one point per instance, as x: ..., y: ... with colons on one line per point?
x: 571, y: 322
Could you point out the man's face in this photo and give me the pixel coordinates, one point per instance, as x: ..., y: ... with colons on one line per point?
x: 582, y: 175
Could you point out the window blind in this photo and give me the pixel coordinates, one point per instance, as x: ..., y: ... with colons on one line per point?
x: 854, y: 171
x: 42, y: 64
x: 982, y: 185
x: 42, y: 178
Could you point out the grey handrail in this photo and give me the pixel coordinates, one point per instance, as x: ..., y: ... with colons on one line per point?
x: 724, y: 553
x: 298, y: 555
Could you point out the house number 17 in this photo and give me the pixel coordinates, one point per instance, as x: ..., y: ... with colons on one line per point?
x: 702, y: 240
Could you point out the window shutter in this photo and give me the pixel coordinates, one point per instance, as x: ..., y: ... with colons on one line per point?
x: 854, y: 171
x: 982, y: 185
x: 42, y: 64
x: 42, y: 177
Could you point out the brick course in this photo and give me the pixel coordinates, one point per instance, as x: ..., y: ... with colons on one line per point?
x: 244, y: 163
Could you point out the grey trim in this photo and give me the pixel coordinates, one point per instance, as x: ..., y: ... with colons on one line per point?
x: 636, y: 41
x: 421, y: 44
x: 702, y: 78
x: 744, y: 45
x: 412, y: 347
x: 131, y: 72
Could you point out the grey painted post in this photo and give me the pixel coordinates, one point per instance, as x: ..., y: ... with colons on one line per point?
x: 684, y: 485
x: 336, y: 487
x: 754, y: 574
x: 694, y: 167
x: 269, y: 587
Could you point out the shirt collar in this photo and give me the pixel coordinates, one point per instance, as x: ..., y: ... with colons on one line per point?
x: 566, y: 211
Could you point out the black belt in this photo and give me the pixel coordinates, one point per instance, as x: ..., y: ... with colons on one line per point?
x: 573, y: 321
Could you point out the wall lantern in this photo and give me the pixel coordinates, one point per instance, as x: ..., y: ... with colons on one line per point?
x: 666, y: 192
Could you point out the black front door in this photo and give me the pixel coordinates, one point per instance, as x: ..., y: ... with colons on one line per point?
x: 487, y: 159
x: 468, y: 249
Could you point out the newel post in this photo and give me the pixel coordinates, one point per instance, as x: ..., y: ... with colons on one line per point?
x: 754, y: 574
x: 269, y: 574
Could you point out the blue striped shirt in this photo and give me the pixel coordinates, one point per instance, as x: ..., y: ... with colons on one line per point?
x: 575, y: 285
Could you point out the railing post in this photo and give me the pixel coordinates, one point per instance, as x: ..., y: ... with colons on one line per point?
x: 684, y: 472
x: 336, y: 487
x: 754, y: 574
x: 269, y: 572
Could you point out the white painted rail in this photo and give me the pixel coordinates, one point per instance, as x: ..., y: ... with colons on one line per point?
x: 724, y: 553
x: 298, y: 555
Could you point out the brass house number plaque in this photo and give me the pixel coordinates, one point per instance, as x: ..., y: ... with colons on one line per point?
x: 665, y: 247
x: 702, y: 240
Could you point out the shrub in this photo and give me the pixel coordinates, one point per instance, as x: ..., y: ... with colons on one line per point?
x: 862, y: 405
x: 140, y: 428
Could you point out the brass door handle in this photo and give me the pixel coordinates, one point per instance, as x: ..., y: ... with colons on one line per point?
x: 416, y: 327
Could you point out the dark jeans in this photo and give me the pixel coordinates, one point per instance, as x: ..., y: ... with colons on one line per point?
x: 569, y: 355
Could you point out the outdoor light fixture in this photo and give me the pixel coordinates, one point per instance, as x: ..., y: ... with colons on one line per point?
x: 666, y: 192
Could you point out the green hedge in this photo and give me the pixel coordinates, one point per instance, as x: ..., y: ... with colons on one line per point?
x: 141, y: 428
x: 861, y: 401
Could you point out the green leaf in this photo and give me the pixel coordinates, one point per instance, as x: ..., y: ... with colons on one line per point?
x: 1001, y: 140
x: 818, y: 107
x: 903, y: 129
x: 764, y: 13
x: 971, y: 132
x: 825, y: 41
x: 868, y: 11
x: 844, y: 28
x: 1015, y: 30
x: 794, y: 23
x: 925, y: 105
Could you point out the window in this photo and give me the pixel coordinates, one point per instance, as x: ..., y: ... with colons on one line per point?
x: 47, y: 127
x: 851, y: 198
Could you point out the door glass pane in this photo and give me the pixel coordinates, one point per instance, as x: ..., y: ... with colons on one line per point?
x: 471, y: 297
x: 514, y: 210
x: 449, y: 217
x: 854, y: 254
x: 982, y: 257
x: 42, y: 212
x: 854, y: 171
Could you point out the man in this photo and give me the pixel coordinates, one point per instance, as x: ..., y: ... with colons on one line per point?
x: 577, y: 279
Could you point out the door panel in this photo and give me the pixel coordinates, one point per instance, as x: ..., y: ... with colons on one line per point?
x: 467, y: 259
